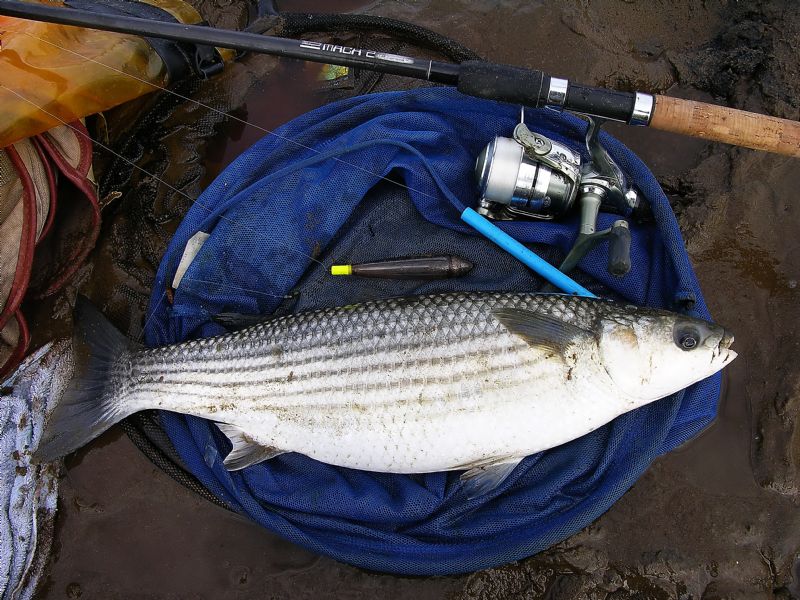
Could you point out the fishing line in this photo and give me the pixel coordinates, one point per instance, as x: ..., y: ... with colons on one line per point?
x: 241, y: 289
x: 149, y: 174
x: 225, y: 114
x: 222, y: 113
x: 157, y: 305
x: 150, y: 316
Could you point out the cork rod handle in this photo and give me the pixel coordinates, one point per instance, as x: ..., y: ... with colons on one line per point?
x: 729, y: 125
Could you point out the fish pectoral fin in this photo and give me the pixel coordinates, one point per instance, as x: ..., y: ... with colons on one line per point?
x: 242, y: 457
x: 541, y: 330
x: 245, y: 451
x: 486, y: 476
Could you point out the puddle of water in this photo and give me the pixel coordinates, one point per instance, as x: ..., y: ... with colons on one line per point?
x: 753, y: 263
x: 126, y: 529
x: 290, y: 91
x: 718, y: 460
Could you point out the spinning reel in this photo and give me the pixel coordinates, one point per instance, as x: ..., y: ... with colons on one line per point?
x: 534, y: 177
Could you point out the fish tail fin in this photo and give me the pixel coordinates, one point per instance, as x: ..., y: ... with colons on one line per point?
x: 94, y: 399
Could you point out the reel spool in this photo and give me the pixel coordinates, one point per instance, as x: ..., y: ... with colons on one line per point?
x: 528, y: 176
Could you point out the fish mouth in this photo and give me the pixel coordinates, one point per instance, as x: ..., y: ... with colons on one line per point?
x: 722, y: 353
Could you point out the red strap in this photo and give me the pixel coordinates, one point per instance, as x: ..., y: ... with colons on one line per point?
x: 51, y: 187
x: 49, y: 155
x: 77, y: 175
x: 27, y: 240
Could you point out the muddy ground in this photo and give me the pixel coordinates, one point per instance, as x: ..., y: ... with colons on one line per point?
x: 716, y: 519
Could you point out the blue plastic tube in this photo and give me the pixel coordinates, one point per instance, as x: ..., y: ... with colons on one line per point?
x: 521, y: 253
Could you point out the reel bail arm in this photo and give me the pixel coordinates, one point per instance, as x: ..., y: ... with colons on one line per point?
x: 603, y: 185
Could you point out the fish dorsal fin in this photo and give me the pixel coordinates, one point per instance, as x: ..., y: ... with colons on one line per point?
x: 543, y: 331
x: 245, y: 451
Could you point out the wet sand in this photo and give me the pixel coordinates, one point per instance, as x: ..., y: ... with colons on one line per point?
x: 715, y: 519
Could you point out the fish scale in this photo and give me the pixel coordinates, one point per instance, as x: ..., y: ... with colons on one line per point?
x: 375, y: 319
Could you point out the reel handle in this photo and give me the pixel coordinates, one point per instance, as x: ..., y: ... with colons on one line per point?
x: 619, y: 249
x: 728, y: 125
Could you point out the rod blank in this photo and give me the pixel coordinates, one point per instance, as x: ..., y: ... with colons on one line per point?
x: 440, y: 72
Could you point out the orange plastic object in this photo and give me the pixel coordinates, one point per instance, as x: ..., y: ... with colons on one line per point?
x: 47, y: 68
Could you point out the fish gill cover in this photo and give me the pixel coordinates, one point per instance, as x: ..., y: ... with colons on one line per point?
x: 317, y: 189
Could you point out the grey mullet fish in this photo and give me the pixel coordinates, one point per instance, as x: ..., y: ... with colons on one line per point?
x: 472, y: 381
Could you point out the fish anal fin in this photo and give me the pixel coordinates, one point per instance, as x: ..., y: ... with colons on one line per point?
x: 541, y: 330
x: 486, y: 476
x: 245, y: 451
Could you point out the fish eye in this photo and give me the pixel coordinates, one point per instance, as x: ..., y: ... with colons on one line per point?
x: 687, y: 338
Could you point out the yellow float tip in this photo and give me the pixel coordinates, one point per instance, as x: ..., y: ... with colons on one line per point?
x: 341, y: 269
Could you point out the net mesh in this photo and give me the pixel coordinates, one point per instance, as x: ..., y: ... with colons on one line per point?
x: 324, y: 195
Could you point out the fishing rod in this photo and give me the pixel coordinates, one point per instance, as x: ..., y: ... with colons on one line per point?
x: 516, y: 85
